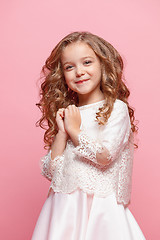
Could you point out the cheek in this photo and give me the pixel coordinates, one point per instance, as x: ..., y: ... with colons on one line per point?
x: 68, y: 79
x: 96, y: 69
x: 99, y: 71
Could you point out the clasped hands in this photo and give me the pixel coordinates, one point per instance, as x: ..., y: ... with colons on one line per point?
x: 69, y: 122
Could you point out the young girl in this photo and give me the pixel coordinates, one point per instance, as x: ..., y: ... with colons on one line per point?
x: 90, y: 140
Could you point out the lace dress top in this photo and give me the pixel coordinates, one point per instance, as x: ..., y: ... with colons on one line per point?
x: 77, y: 166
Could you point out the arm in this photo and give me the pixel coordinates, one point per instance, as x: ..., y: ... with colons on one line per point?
x: 49, y: 161
x: 93, y: 150
x: 113, y: 137
x: 72, y: 122
x: 59, y: 144
x: 60, y: 141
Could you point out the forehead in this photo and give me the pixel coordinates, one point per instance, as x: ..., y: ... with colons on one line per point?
x: 75, y: 51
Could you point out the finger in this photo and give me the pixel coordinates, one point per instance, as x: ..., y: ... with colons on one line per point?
x: 77, y: 109
x: 59, y: 115
x: 61, y: 111
x: 66, y: 111
x: 74, y: 109
x: 71, y: 107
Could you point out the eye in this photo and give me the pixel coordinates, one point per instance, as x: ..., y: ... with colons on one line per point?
x: 87, y: 62
x: 69, y: 67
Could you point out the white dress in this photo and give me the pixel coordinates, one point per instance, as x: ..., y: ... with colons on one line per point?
x: 78, y: 210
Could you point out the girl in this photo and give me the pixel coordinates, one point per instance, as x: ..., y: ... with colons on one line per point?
x: 90, y: 140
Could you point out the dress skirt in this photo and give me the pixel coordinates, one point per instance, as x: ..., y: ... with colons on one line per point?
x: 81, y: 216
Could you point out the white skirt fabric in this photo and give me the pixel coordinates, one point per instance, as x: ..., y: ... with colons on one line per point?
x: 80, y: 216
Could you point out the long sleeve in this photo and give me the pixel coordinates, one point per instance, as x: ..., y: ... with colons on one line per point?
x: 112, y: 138
x: 49, y: 165
x: 80, y: 167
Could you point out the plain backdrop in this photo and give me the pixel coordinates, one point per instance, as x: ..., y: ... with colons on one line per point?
x: 29, y: 31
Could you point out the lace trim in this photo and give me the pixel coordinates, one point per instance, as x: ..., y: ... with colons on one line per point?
x: 125, y: 173
x: 88, y: 148
x: 79, y: 168
x: 74, y: 173
x: 49, y: 165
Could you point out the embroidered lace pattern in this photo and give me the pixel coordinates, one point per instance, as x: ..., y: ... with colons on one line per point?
x: 88, y: 147
x: 50, y: 166
x: 78, y: 168
x: 45, y: 166
x: 125, y: 173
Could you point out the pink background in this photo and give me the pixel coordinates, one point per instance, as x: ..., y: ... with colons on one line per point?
x: 29, y: 31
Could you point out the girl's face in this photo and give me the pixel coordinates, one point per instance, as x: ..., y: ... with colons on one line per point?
x: 82, y: 70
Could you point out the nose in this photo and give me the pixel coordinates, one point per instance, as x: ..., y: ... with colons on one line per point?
x: 80, y: 71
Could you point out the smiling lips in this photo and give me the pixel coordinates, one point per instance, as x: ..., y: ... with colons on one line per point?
x: 81, y: 81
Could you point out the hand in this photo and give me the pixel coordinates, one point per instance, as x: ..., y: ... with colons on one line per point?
x: 60, y: 140
x: 60, y: 120
x: 72, y: 122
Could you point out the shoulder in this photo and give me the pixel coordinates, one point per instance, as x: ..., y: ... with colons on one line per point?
x: 120, y: 110
x: 120, y: 105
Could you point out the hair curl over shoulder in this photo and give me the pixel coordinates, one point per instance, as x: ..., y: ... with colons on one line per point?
x: 54, y: 90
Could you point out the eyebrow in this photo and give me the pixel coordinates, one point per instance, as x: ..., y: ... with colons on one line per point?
x: 81, y: 59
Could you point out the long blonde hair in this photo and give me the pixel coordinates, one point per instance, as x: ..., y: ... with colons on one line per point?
x: 54, y: 90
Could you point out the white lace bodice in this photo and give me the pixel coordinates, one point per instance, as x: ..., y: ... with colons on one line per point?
x: 78, y: 168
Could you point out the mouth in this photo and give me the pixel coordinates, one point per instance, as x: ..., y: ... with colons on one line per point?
x: 82, y: 81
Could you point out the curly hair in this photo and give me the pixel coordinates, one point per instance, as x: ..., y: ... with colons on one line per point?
x: 55, y: 93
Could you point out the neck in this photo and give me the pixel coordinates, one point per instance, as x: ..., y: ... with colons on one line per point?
x: 85, y: 99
